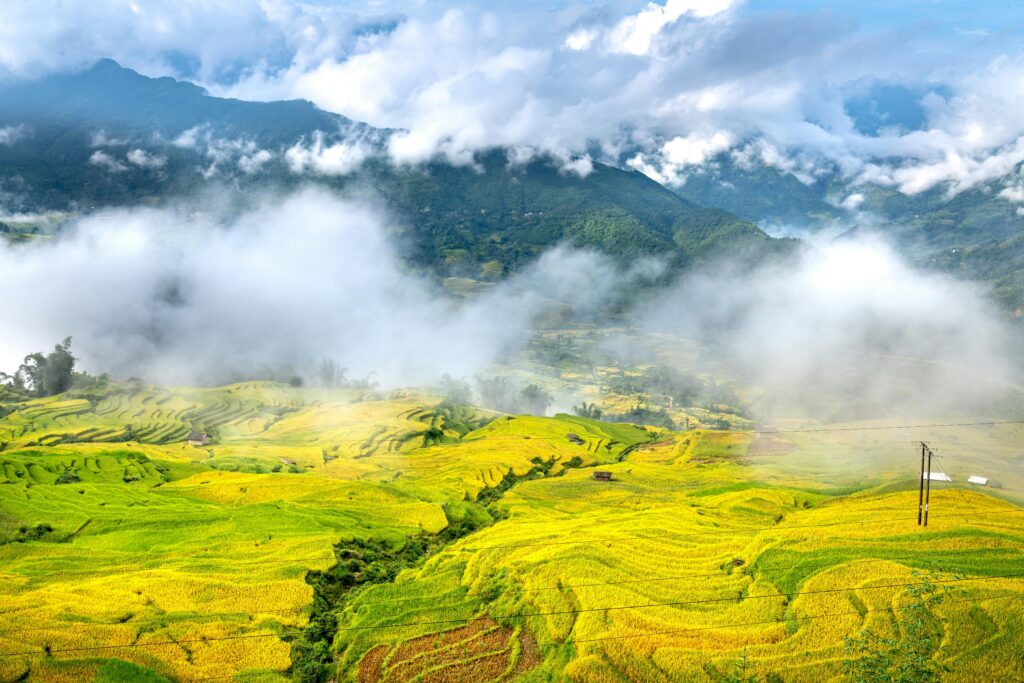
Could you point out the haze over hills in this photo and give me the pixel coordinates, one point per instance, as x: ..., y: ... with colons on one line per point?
x: 108, y: 136
x: 972, y: 234
x: 545, y: 341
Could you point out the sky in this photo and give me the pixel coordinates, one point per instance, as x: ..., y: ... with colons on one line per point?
x: 911, y: 95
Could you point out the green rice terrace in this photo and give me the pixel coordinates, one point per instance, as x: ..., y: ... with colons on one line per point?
x: 264, y: 532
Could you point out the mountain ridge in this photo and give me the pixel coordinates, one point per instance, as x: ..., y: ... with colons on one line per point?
x: 108, y: 136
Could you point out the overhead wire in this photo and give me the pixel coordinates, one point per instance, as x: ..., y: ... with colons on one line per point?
x: 783, y: 620
x: 680, y: 603
x: 747, y: 569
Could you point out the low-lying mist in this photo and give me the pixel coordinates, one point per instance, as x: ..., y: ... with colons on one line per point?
x: 845, y: 329
x: 179, y: 298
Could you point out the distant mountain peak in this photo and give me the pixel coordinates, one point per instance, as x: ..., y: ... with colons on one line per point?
x: 111, y: 96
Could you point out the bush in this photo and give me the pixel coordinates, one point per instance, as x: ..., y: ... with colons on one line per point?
x: 68, y: 477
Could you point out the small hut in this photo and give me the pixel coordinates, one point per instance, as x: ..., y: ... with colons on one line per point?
x: 199, y: 439
x: 575, y: 438
x: 979, y: 481
x: 602, y: 475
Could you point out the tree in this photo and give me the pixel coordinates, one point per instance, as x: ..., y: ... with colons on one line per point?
x: 587, y: 410
x: 498, y: 394
x: 455, y: 391
x: 331, y: 375
x: 908, y: 656
x: 535, y: 400
x: 45, y: 375
x: 742, y: 671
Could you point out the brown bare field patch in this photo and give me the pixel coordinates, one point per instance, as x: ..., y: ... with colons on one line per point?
x: 480, y: 651
x: 770, y: 444
x: 372, y: 664
x: 656, y: 445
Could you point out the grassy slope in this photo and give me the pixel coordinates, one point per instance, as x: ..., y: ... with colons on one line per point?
x: 686, y: 513
x: 182, y: 543
x: 151, y: 542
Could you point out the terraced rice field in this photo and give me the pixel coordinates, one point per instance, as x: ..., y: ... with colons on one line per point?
x: 681, y: 567
x: 126, y: 554
x: 190, y: 562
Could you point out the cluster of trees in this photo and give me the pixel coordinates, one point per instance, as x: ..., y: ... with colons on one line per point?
x: 497, y: 393
x: 907, y: 652
x: 644, y: 415
x: 659, y: 381
x: 49, y: 374
x: 361, y: 562
x: 330, y: 375
x: 591, y: 411
x: 678, y: 389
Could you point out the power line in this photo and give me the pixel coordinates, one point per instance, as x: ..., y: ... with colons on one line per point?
x: 783, y: 620
x: 712, y: 531
x: 876, y: 428
x: 525, y: 615
x: 716, y: 531
x: 747, y: 572
x: 182, y: 617
x: 923, y: 498
x: 179, y: 617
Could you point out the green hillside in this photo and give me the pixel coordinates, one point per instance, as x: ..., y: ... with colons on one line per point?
x: 355, y: 536
x: 974, y: 234
x: 477, y: 221
x: 465, y: 217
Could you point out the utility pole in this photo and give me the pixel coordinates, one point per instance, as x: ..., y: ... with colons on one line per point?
x: 920, y: 494
x: 925, y: 491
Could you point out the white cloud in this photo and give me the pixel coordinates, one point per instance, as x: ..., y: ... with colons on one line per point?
x: 189, y: 139
x: 252, y: 163
x: 581, y: 39
x: 681, y: 152
x: 143, y: 159
x: 104, y: 160
x: 308, y: 275
x: 852, y: 202
x: 583, y: 166
x: 222, y: 151
x: 634, y: 34
x: 1014, y: 193
x: 832, y: 322
x: 11, y: 134
x: 100, y: 138
x: 650, y: 81
x: 959, y: 170
x: 318, y: 156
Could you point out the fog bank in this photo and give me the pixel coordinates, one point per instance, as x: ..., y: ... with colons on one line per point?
x: 845, y: 329
x: 849, y: 329
x: 175, y: 298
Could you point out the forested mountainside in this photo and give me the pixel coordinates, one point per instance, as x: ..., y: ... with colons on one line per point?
x: 109, y: 136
